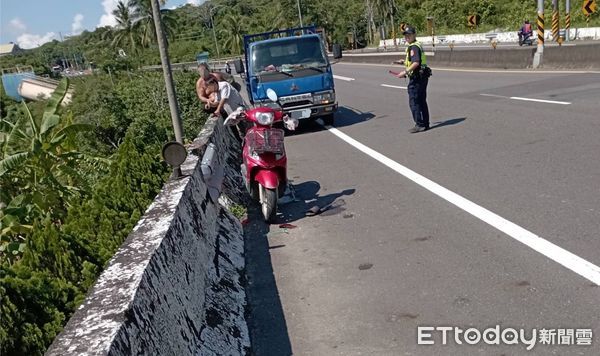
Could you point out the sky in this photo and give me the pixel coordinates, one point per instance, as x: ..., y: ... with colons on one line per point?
x: 31, y: 23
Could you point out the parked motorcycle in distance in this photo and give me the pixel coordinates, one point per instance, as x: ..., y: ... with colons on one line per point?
x: 264, y: 164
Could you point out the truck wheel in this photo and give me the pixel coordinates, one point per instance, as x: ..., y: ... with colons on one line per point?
x: 268, y: 202
x: 328, y: 119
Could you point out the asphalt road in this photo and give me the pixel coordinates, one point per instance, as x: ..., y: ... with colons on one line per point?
x: 391, y: 255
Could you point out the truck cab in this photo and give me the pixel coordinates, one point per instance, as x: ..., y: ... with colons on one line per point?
x: 295, y: 65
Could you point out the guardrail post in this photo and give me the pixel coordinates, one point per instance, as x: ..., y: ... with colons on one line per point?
x: 537, y: 58
x: 568, y: 20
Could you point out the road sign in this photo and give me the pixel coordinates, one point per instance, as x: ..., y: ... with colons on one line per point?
x: 429, y: 24
x: 589, y: 7
x: 473, y: 20
x: 402, y: 27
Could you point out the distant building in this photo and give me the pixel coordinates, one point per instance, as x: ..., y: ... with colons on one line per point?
x: 9, y: 49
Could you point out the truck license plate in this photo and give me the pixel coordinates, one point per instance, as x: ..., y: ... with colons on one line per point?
x: 300, y: 114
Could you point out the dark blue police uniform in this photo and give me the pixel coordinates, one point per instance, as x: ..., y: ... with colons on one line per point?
x: 417, y: 85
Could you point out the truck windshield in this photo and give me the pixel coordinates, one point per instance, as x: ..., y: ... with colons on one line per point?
x: 288, y: 55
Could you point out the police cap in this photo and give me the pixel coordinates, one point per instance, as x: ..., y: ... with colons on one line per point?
x: 409, y: 30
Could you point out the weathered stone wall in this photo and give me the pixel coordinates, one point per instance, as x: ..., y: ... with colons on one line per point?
x: 175, y: 287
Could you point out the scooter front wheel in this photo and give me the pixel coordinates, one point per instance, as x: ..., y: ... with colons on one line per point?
x: 268, y: 202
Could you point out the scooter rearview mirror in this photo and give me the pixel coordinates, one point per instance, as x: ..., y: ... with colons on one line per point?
x: 272, y: 95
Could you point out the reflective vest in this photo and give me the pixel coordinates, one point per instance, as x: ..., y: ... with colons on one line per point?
x: 407, y: 61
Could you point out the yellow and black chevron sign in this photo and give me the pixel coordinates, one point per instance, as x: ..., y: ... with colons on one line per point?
x: 402, y: 27
x: 540, y: 28
x: 472, y: 20
x: 588, y: 7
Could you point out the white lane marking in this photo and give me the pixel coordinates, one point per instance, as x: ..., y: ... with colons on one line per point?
x: 523, y: 71
x: 541, y: 100
x: 393, y: 86
x: 380, y: 54
x: 528, y: 99
x: 567, y: 259
x: 343, y: 78
x: 495, y: 96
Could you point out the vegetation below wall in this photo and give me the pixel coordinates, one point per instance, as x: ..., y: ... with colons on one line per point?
x: 74, y: 181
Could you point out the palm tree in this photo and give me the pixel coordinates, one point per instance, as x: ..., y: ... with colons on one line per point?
x: 144, y: 21
x: 269, y: 17
x: 125, y: 34
x: 369, y: 14
x: 385, y: 8
x: 233, y: 32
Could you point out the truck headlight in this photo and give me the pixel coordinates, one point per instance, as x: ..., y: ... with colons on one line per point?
x: 324, y: 98
x: 265, y: 118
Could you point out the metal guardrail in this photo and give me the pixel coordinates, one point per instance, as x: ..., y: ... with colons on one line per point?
x: 491, y: 36
x: 215, y: 64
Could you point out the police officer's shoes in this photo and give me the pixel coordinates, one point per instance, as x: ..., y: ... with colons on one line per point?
x: 418, y: 128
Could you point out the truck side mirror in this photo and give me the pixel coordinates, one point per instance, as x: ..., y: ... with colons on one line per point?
x: 239, y: 66
x: 337, y: 51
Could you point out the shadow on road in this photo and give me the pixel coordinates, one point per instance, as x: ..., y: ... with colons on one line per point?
x: 309, y: 200
x: 266, y: 321
x: 447, y: 123
x: 345, y: 116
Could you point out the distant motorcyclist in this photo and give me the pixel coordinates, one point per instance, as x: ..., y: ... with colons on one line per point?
x: 525, y: 32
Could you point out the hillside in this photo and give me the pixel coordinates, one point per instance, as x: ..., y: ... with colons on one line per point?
x: 190, y: 30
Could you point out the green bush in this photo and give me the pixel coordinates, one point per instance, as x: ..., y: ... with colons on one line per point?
x: 70, y: 242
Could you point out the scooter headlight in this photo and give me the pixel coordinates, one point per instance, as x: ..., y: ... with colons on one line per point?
x: 265, y: 118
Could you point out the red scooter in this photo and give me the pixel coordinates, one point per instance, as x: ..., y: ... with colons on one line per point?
x: 264, y: 164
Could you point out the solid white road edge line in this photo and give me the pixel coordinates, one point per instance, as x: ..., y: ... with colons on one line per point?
x: 567, y: 259
x: 392, y: 86
x: 343, y: 78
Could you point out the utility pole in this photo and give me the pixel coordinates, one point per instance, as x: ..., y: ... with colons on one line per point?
x: 166, y: 66
x: 212, y: 25
x: 537, y: 58
x: 299, y: 13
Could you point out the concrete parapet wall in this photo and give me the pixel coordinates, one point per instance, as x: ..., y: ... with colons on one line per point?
x: 175, y: 287
x: 581, y: 56
x: 484, y: 58
x: 583, y: 33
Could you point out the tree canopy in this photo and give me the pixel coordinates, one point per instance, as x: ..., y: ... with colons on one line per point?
x: 192, y: 29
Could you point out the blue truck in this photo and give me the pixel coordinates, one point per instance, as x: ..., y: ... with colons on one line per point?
x: 293, y: 62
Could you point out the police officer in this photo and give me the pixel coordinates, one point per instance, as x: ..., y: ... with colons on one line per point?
x: 418, y: 74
